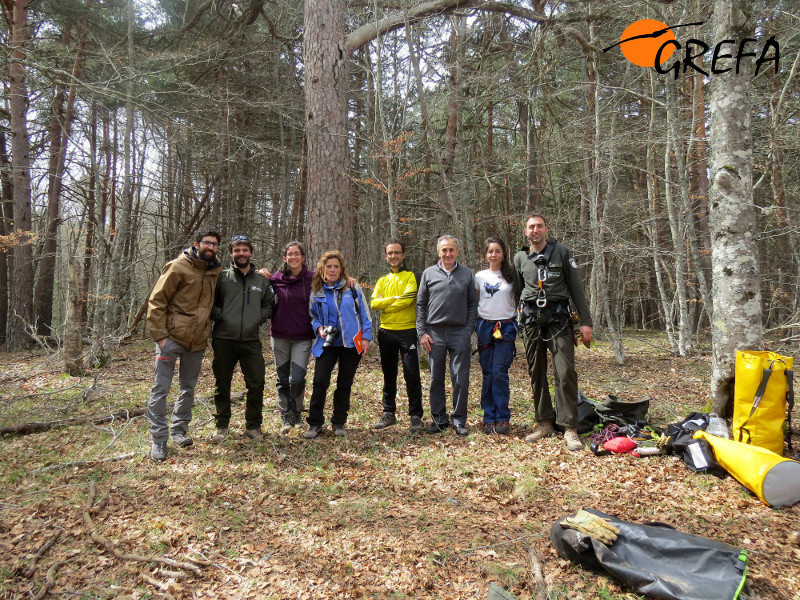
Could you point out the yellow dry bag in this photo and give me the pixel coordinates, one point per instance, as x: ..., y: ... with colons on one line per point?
x: 773, y: 478
x: 762, y: 390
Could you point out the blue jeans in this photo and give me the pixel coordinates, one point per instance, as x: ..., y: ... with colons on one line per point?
x: 496, y: 357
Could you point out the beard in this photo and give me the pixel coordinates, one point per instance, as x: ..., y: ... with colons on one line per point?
x: 207, y: 255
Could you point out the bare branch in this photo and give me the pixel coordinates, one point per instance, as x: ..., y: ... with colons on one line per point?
x: 49, y: 580
x: 31, y: 570
x: 109, y: 546
x: 80, y: 463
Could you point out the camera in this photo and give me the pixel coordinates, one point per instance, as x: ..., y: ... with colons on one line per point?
x: 330, y: 332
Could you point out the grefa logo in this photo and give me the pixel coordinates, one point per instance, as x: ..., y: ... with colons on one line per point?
x: 651, y: 43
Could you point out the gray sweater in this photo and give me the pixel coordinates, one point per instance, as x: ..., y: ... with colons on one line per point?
x: 446, y: 298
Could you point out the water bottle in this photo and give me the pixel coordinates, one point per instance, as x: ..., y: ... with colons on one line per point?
x: 717, y: 426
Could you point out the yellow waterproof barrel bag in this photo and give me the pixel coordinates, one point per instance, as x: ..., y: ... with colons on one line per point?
x: 762, y: 392
x: 773, y: 478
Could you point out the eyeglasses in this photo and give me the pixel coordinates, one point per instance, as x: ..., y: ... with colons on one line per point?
x: 210, y: 244
x: 239, y: 238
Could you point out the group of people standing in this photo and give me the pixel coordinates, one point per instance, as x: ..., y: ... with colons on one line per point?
x: 324, y: 313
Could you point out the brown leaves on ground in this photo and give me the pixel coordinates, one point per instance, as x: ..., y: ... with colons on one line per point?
x: 377, y: 514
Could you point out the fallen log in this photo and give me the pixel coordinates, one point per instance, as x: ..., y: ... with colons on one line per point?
x: 28, y: 428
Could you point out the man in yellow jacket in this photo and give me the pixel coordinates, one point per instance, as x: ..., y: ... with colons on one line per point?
x: 178, y: 315
x: 395, y: 297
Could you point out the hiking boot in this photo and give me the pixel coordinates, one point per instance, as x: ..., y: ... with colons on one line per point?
x: 158, y: 451
x: 254, y: 434
x: 339, y: 430
x: 544, y: 429
x: 572, y: 440
x: 182, y: 440
x: 503, y: 427
x: 488, y: 428
x: 416, y: 424
x: 461, y: 429
x: 436, y: 427
x: 288, y: 420
x: 313, y: 431
x: 219, y: 436
x: 387, y: 420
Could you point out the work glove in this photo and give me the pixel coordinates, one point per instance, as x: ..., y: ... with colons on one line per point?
x: 593, y: 526
x: 663, y: 441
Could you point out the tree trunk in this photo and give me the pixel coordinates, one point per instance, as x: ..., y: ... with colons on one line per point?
x: 652, y: 228
x: 327, y: 70
x: 676, y: 227
x: 736, y: 293
x: 593, y: 175
x: 61, y: 117
x: 119, y: 275
x: 21, y: 313
x: 6, y: 221
x: 73, y: 327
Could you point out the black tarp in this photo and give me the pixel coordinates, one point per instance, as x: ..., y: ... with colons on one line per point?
x: 659, y: 561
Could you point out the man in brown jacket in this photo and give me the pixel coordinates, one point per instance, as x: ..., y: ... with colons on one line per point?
x: 178, y: 314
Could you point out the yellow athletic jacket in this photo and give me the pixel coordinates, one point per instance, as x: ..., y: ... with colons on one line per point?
x: 397, y: 313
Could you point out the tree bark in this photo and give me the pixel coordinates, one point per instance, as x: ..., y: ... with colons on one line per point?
x: 6, y: 221
x: 21, y: 313
x: 734, y: 258
x: 73, y: 327
x: 327, y: 66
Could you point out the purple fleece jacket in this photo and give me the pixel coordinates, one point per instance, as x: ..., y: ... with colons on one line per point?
x: 290, y: 317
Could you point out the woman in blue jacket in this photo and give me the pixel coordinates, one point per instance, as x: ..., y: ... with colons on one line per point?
x: 343, y: 330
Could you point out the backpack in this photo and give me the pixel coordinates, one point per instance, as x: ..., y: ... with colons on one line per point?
x: 613, y: 409
x: 763, y: 399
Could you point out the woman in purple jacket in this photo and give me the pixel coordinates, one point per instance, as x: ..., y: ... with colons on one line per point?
x: 291, y: 332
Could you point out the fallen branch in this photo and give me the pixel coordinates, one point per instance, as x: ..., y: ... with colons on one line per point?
x: 31, y: 570
x: 50, y: 580
x: 540, y: 587
x: 28, y: 428
x: 171, y: 574
x: 112, y: 548
x: 80, y: 463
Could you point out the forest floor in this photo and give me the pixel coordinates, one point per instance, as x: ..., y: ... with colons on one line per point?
x: 377, y: 514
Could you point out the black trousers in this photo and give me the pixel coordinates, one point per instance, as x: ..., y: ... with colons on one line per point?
x: 403, y: 342
x: 249, y: 356
x: 348, y: 359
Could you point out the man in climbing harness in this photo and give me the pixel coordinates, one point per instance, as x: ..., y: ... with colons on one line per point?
x: 550, y: 280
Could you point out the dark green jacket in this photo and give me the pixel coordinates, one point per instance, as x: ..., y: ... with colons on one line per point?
x: 563, y: 280
x: 241, y: 304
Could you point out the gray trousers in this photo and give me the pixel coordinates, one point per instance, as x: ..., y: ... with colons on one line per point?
x: 291, y: 364
x: 454, y: 340
x: 188, y: 372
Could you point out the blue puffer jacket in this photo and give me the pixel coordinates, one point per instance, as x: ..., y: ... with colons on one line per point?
x: 352, y: 318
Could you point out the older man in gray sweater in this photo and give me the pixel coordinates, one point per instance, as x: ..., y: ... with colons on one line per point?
x: 447, y: 309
